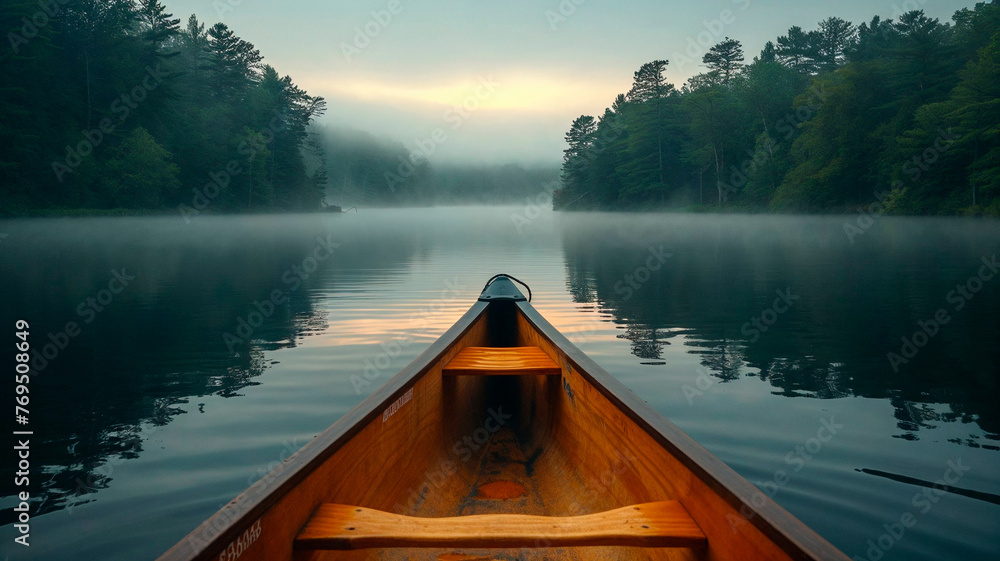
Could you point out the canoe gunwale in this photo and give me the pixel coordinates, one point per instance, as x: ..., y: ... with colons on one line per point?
x: 204, y: 543
x: 787, y: 532
x: 791, y: 534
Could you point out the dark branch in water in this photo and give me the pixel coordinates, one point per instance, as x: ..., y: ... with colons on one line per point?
x: 978, y: 495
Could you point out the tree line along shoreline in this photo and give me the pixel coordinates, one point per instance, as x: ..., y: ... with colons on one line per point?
x: 113, y: 107
x: 889, y: 116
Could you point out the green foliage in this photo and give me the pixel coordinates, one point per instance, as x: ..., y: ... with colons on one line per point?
x: 958, y: 138
x: 725, y: 59
x: 830, y: 41
x: 836, y: 147
x: 796, y: 50
x: 139, y: 173
x: 905, y: 111
x: 649, y: 83
x: 112, y: 104
x: 767, y: 54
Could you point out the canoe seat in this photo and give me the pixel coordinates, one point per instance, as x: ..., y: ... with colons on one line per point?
x: 501, y: 361
x: 659, y: 524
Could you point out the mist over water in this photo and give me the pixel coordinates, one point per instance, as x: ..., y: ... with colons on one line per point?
x: 204, y: 354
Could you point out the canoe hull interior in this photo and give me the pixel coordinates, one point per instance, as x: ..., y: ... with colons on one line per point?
x: 430, y: 445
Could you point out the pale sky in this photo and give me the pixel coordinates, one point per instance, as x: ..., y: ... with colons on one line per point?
x: 524, y: 70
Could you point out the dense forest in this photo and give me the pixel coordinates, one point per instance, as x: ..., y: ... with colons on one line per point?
x: 898, y: 115
x: 114, y: 104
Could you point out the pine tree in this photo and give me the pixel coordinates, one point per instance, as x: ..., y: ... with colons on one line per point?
x: 830, y: 41
x: 922, y: 57
x: 649, y: 83
x: 725, y: 59
x: 234, y: 62
x: 649, y: 86
x: 194, y: 35
x: 795, y: 50
x: 872, y: 41
x: 767, y: 54
x: 576, y: 156
x: 157, y: 26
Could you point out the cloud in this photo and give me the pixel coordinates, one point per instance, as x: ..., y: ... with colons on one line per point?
x: 514, y: 92
x: 521, y: 120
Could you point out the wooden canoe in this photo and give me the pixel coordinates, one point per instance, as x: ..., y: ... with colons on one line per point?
x: 502, y: 441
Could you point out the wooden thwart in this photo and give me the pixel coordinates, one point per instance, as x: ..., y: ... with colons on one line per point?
x: 659, y: 524
x: 501, y: 361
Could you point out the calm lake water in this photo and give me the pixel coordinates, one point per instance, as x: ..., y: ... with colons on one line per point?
x: 151, y: 417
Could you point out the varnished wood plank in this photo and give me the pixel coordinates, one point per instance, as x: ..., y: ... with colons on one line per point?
x: 502, y: 361
x: 657, y: 524
x: 596, y: 419
x: 588, y: 443
x: 357, y: 445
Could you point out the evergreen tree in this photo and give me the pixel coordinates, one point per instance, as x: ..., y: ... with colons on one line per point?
x: 234, y: 63
x: 873, y: 40
x: 768, y: 54
x: 194, y: 36
x: 833, y: 37
x: 921, y: 58
x: 140, y: 173
x: 112, y: 104
x: 796, y: 50
x: 725, y: 59
x: 576, y: 157
x: 649, y: 89
x: 156, y: 25
x: 828, y: 119
x: 648, y: 82
x: 967, y: 127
